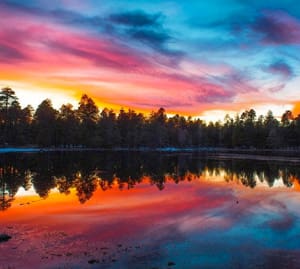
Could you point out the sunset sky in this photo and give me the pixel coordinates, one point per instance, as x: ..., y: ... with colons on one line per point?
x: 199, y: 58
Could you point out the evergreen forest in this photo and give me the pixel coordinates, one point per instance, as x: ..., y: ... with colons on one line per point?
x: 88, y: 127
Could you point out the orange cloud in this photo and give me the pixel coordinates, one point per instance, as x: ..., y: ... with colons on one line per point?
x: 296, y: 108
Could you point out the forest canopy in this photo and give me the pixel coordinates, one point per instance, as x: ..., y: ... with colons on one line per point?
x: 87, y: 126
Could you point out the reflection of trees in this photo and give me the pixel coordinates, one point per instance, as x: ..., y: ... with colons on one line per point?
x: 6, y: 198
x: 287, y: 177
x: 27, y: 184
x: 43, y: 183
x: 63, y: 185
x: 87, y: 172
x: 10, y: 181
x: 85, y: 186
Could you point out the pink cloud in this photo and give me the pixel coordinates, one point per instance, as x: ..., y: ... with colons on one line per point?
x: 61, y: 57
x: 278, y: 27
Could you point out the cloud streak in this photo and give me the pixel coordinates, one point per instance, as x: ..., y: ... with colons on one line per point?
x: 136, y: 18
x: 278, y: 27
x: 281, y: 68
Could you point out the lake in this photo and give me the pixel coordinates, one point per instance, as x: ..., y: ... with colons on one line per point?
x: 148, y: 210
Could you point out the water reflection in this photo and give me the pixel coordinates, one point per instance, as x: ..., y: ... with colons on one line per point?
x: 88, y: 172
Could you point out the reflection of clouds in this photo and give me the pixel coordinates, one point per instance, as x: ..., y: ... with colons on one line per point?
x: 279, y: 205
x: 209, y: 212
x: 189, y: 223
x: 204, y: 222
x: 280, y: 258
x: 282, y: 223
x: 281, y: 218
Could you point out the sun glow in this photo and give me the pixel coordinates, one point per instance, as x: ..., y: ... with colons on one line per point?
x: 296, y: 109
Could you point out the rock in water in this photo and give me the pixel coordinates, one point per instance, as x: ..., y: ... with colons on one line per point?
x: 4, y: 237
x: 93, y: 261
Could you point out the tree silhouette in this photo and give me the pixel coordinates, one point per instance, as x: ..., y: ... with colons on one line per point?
x: 85, y: 126
x: 8, y: 99
x: 68, y: 126
x: 45, y: 119
x: 88, y: 114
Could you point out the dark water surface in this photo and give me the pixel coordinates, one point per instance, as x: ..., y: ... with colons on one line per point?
x: 147, y: 210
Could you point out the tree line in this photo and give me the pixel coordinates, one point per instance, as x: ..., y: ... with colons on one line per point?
x: 87, y: 126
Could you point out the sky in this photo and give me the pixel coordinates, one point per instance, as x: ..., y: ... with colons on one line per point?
x: 198, y: 58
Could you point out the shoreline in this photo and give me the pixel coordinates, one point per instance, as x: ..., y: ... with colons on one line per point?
x: 290, y: 155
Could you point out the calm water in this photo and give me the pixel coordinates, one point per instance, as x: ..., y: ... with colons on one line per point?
x: 133, y: 210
